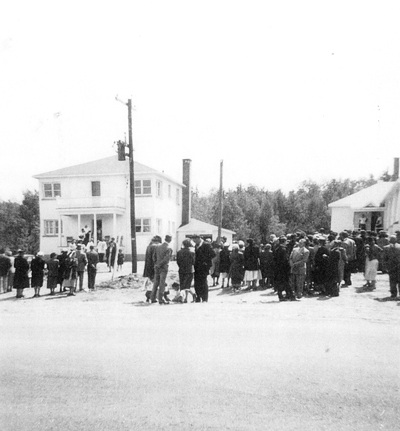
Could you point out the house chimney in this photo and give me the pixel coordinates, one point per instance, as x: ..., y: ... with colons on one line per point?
x: 395, y: 176
x: 186, y: 192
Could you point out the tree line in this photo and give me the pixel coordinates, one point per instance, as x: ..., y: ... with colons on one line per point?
x: 20, y: 224
x: 254, y: 212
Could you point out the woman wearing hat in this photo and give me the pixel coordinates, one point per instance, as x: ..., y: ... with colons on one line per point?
x: 37, y: 267
x: 21, y: 278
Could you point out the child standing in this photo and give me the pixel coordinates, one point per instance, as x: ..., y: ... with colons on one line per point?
x: 120, y: 259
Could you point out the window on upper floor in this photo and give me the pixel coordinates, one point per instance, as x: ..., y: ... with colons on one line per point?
x: 143, y: 225
x: 96, y: 188
x: 178, y: 201
x: 51, y: 190
x: 159, y: 189
x: 142, y: 187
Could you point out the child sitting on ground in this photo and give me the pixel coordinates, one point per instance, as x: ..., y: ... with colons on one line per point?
x: 179, y: 297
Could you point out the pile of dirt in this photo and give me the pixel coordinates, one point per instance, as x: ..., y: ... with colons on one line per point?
x: 133, y: 281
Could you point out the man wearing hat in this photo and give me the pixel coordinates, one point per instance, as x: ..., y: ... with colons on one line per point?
x: 203, y: 261
x: 92, y: 260
x: 162, y: 255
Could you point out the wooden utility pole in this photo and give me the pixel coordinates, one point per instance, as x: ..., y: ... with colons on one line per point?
x: 132, y: 189
x: 121, y: 156
x: 220, y: 203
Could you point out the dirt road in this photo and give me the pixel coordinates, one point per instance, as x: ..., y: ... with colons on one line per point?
x: 108, y: 361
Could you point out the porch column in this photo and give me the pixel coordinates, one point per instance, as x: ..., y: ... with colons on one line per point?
x: 59, y: 230
x: 79, y: 224
x: 115, y: 225
x: 95, y: 229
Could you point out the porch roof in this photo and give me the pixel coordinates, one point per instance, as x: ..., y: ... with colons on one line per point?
x: 371, y: 197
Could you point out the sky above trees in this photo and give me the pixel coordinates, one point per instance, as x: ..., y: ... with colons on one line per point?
x: 281, y: 91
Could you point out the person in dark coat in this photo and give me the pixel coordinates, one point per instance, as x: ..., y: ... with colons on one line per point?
x: 321, y: 262
x: 62, y: 267
x: 5, y: 265
x: 391, y: 259
x: 92, y: 260
x: 185, y: 259
x: 148, y: 272
x: 224, y: 264
x: 332, y: 283
x: 111, y: 254
x: 21, y: 278
x: 282, y: 271
x: 82, y: 262
x: 251, y: 264
x: 267, y: 266
x: 203, y: 258
x: 37, y: 267
x: 52, y: 275
x: 236, y: 270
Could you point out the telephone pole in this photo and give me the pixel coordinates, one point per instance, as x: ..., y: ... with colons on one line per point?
x: 132, y: 185
x: 220, y: 203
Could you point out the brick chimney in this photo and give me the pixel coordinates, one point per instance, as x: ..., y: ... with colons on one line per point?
x: 186, y: 192
x: 395, y: 175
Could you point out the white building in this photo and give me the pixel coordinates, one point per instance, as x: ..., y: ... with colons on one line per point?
x: 96, y: 195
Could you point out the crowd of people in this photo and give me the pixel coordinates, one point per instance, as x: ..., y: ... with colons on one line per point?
x: 65, y: 270
x: 293, y: 265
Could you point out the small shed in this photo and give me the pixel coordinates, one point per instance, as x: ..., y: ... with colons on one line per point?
x: 378, y: 200
x: 203, y: 229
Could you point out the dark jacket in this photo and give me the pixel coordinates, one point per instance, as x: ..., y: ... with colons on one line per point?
x: 21, y: 279
x: 37, y: 268
x: 185, y: 260
x: 204, y: 255
x: 251, y: 258
x: 5, y: 265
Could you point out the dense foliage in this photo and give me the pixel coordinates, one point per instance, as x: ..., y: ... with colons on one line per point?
x: 255, y: 212
x: 20, y: 223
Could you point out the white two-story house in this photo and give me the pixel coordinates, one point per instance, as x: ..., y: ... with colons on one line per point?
x: 96, y: 195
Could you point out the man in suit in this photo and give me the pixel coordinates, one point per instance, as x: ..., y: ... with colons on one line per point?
x: 391, y: 259
x: 161, y: 257
x: 82, y: 261
x: 93, y: 260
x: 203, y: 257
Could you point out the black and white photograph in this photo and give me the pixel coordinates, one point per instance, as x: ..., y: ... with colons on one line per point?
x: 200, y: 215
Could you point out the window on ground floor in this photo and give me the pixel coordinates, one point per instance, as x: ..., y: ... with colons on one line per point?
x: 50, y: 227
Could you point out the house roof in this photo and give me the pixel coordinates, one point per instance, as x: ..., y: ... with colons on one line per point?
x: 372, y: 196
x: 107, y: 166
x: 197, y: 226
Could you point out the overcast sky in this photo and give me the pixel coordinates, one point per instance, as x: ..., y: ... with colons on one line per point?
x: 282, y: 91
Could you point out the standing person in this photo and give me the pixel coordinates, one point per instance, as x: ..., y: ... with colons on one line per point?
x: 101, y: 249
x: 204, y: 255
x: 362, y: 222
x: 148, y: 272
x: 52, y: 275
x: 82, y: 262
x: 391, y: 259
x: 120, y: 259
x: 162, y: 255
x: 92, y: 259
x: 237, y: 267
x: 372, y: 252
x: 62, y: 267
x: 321, y: 262
x: 350, y: 246
x: 332, y: 283
x: 71, y: 271
x: 298, y: 264
x: 5, y: 265
x: 224, y: 264
x: 37, y: 267
x: 215, y: 263
x: 11, y: 271
x: 267, y: 266
x: 185, y: 259
x: 282, y: 271
x: 21, y: 278
x: 111, y: 254
x: 251, y: 264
